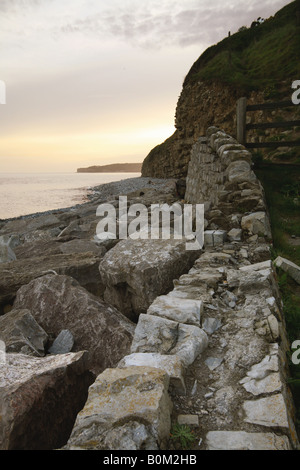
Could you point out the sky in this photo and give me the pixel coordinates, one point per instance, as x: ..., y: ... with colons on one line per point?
x: 93, y: 82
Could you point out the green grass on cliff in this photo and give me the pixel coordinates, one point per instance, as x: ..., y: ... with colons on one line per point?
x: 256, y: 58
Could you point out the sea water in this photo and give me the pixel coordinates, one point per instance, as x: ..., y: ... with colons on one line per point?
x: 28, y: 193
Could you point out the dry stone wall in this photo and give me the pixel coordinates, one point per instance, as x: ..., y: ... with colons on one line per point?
x: 212, y: 351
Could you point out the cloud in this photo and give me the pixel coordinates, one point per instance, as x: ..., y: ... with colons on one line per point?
x: 13, y: 6
x: 147, y: 25
x: 172, y: 23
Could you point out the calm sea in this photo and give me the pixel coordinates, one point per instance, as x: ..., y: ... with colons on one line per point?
x: 27, y: 193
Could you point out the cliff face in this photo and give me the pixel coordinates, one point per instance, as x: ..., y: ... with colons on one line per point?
x: 203, y: 104
x: 250, y: 63
x: 200, y: 106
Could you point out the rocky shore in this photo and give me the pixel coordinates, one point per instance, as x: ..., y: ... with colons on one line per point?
x: 57, y: 332
x: 107, y: 343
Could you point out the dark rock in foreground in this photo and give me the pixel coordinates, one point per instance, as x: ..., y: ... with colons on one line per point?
x: 40, y: 398
x: 59, y: 302
x: 22, y: 334
x: 82, y: 266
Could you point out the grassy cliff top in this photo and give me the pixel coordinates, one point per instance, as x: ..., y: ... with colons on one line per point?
x: 257, y: 57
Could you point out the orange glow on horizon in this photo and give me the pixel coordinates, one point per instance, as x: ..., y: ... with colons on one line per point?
x: 59, y: 152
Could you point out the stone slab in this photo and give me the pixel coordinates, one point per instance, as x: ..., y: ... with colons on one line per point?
x: 269, y: 384
x: 126, y: 409
x: 176, y: 309
x: 241, y: 440
x: 135, y: 272
x: 270, y: 411
x: 169, y: 363
x: 289, y: 267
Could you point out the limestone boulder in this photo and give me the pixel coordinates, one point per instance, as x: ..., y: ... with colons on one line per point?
x: 171, y: 364
x: 289, y: 267
x: 40, y: 399
x: 254, y: 279
x: 235, y: 234
x: 135, y: 272
x: 22, y: 334
x: 257, y: 223
x: 177, y: 309
x: 154, y: 335
x: 59, y: 302
x: 82, y: 266
x: 192, y: 341
x: 159, y: 335
x: 127, y: 409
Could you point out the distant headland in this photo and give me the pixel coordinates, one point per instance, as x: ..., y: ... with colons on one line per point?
x: 113, y: 168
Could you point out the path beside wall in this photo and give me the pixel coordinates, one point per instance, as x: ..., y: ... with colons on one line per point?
x: 212, y: 352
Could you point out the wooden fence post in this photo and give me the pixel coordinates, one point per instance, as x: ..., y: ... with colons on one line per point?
x: 241, y: 120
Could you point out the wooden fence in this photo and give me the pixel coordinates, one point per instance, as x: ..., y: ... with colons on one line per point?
x: 242, y: 127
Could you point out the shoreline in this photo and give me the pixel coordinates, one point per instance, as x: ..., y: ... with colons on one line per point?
x: 97, y: 193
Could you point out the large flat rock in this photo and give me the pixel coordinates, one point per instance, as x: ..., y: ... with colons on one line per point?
x: 171, y: 364
x: 40, y: 398
x: 269, y: 411
x: 135, y: 272
x: 177, y: 309
x: 241, y: 440
x: 59, y: 302
x: 289, y: 267
x: 82, y: 266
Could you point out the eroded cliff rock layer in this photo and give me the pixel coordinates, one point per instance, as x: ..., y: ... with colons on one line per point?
x: 200, y: 105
